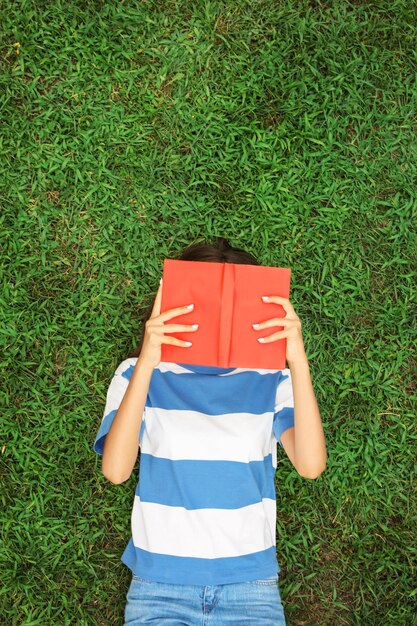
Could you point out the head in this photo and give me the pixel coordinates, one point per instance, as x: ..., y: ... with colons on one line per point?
x: 218, y: 252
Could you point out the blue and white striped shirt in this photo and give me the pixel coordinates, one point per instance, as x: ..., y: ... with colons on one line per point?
x: 204, y: 509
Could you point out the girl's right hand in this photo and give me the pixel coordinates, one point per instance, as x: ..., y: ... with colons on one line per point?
x: 155, y: 329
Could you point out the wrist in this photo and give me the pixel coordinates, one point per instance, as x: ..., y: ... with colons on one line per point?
x: 144, y: 366
x: 298, y: 361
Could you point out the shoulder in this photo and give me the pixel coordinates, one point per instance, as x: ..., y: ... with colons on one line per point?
x: 125, y: 367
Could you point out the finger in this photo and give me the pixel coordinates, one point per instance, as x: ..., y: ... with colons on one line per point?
x: 276, y: 321
x: 180, y: 310
x: 176, y: 328
x: 284, y: 302
x: 175, y: 342
x: 279, y: 335
x: 279, y: 299
x: 156, y: 310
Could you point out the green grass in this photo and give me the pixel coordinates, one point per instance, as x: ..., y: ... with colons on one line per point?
x: 128, y: 131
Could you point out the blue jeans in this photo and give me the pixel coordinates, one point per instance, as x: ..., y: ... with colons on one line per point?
x: 252, y: 603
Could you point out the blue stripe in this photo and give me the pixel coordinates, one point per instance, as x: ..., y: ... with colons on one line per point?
x: 104, y: 429
x: 282, y: 420
x: 205, y: 484
x: 168, y: 392
x: 237, y: 393
x: 198, y: 571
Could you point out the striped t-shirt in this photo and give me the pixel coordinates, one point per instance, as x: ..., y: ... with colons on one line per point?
x: 204, y: 509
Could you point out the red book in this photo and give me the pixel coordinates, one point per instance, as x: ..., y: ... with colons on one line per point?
x: 227, y: 301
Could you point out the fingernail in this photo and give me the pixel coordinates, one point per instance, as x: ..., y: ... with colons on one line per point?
x: 255, y: 325
x: 194, y: 326
x: 265, y: 297
x: 261, y: 339
x: 188, y: 343
x: 190, y: 306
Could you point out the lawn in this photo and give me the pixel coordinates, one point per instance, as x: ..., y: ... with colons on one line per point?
x: 130, y: 130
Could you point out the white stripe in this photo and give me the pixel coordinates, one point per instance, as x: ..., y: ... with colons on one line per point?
x: 117, y: 387
x: 274, y: 452
x: 169, y: 366
x: 205, y: 533
x: 115, y: 393
x: 173, y: 434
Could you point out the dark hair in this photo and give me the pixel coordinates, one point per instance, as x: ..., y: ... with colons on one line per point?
x: 218, y: 252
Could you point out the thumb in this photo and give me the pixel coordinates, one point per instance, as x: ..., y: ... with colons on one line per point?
x: 157, y: 304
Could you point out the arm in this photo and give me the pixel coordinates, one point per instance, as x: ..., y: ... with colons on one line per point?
x: 305, y: 443
x: 122, y: 441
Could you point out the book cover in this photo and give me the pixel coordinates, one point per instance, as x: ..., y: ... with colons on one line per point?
x: 227, y: 301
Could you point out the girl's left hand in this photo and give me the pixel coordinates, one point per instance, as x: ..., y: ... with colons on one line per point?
x: 291, y: 332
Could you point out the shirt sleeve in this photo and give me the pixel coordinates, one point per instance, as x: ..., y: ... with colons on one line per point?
x: 115, y: 393
x: 284, y: 405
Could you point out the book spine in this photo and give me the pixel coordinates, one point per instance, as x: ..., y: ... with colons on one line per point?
x: 226, y: 314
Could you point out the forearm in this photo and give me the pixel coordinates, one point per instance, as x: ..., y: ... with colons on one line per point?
x: 309, y: 440
x: 122, y: 441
